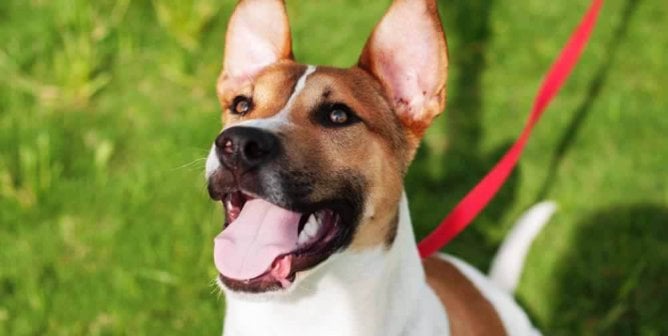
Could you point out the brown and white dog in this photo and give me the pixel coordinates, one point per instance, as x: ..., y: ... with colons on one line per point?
x: 310, y: 167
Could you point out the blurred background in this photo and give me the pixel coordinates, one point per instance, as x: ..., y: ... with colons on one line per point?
x: 108, y: 109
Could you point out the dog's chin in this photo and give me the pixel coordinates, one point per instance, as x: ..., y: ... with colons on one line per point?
x: 324, y: 228
x: 299, y: 286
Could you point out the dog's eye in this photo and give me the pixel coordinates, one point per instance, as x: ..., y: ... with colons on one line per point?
x: 336, y: 115
x: 241, y: 105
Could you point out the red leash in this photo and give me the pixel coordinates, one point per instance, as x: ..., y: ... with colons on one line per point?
x: 476, y: 200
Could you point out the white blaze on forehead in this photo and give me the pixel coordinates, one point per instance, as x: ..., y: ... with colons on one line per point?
x: 301, y: 83
x: 280, y: 118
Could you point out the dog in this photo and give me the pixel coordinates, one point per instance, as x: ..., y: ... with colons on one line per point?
x: 309, y: 168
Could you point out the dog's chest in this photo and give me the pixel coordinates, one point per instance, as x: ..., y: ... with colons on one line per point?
x: 335, y: 318
x: 334, y: 311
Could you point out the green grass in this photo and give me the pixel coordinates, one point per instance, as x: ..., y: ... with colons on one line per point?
x: 107, y: 110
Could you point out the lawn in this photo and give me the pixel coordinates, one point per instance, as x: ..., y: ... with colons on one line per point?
x: 108, y: 108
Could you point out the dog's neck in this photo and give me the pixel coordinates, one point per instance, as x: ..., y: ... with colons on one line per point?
x: 374, y: 292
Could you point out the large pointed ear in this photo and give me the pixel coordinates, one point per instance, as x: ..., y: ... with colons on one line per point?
x: 407, y: 53
x: 258, y: 34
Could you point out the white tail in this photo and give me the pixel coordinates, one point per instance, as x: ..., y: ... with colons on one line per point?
x: 509, y: 260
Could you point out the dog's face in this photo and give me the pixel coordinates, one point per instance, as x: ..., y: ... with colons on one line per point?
x: 311, y: 159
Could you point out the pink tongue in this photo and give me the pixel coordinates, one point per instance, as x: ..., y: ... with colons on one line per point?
x: 262, y: 232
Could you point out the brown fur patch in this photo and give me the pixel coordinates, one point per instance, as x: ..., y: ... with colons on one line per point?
x: 269, y: 90
x: 469, y: 312
x: 376, y: 147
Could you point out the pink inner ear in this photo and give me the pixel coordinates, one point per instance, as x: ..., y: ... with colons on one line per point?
x: 258, y: 35
x: 408, y: 54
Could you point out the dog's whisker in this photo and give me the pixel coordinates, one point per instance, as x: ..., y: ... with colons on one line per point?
x: 190, y: 164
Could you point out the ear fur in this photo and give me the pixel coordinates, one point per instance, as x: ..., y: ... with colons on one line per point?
x: 407, y: 53
x: 258, y: 35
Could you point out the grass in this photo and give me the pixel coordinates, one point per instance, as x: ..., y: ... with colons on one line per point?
x: 107, y: 110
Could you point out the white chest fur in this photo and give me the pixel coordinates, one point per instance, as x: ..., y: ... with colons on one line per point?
x: 375, y: 292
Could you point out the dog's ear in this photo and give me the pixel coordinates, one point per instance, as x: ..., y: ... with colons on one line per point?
x: 258, y: 34
x: 407, y: 53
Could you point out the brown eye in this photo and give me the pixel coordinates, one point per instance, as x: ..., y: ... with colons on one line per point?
x: 241, y: 105
x: 338, y: 116
x: 334, y: 115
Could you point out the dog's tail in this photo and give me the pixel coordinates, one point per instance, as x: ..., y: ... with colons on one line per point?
x: 509, y: 260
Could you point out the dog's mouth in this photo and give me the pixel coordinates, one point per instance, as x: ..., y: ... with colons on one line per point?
x: 263, y: 246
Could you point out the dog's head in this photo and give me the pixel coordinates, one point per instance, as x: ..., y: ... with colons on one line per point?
x: 311, y: 159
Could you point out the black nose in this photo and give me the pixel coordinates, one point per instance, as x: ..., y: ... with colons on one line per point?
x: 244, y: 148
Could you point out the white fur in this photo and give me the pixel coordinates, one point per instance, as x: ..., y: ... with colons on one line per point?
x: 508, y: 263
x: 212, y: 162
x: 377, y: 292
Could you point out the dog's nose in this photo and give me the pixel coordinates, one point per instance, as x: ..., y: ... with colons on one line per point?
x: 244, y: 148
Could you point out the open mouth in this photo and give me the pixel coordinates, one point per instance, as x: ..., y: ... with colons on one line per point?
x: 263, y: 246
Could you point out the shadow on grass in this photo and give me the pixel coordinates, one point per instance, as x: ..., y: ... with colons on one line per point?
x: 593, y: 93
x: 438, y: 180
x: 613, y: 280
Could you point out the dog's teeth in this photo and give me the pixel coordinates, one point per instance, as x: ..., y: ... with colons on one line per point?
x: 309, y: 231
